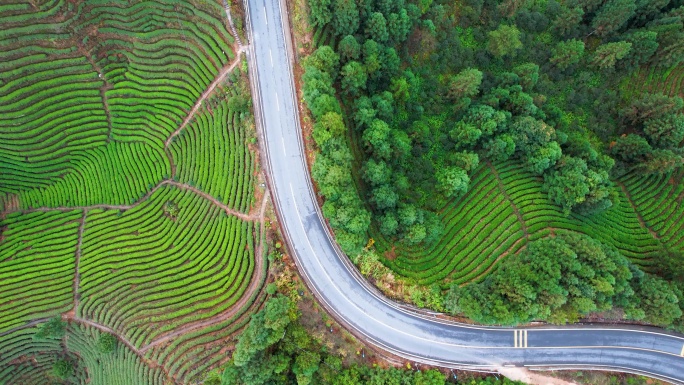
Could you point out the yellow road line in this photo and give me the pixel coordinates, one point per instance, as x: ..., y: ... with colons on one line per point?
x: 525, y: 345
x: 682, y: 353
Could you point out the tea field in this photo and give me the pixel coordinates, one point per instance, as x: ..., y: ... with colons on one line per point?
x: 506, y: 208
x: 129, y: 198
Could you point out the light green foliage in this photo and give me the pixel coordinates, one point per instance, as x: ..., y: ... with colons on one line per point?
x: 465, y: 84
x: 106, y: 343
x: 452, y: 181
x: 505, y: 40
x: 608, y: 54
x: 567, y: 53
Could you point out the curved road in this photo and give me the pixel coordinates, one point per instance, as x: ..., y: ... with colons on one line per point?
x: 386, y: 324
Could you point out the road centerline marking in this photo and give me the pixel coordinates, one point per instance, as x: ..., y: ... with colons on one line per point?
x: 265, y: 16
x: 271, y: 55
x: 682, y: 353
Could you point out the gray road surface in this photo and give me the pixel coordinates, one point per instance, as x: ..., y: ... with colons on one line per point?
x: 384, y: 323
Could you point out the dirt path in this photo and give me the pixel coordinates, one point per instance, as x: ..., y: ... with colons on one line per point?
x: 219, y: 78
x: 508, y: 198
x: 77, y: 273
x: 254, y: 286
x: 530, y: 377
x: 232, y: 25
x: 228, y: 210
x: 638, y: 214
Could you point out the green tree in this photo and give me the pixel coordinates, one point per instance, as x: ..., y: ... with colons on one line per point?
x: 465, y: 84
x: 265, y: 329
x: 53, y: 329
x: 630, y: 148
x: 452, y: 181
x: 321, y: 12
x: 661, y: 162
x: 328, y: 126
x: 644, y: 46
x: 567, y: 53
x: 608, y: 54
x: 106, y: 343
x: 505, y: 40
x: 528, y: 73
x: 384, y: 197
x: 349, y: 48
x: 567, y: 20
x: 376, y: 137
x: 665, y: 132
x: 62, y: 368
x: 651, y: 106
x: 612, y: 16
x: 376, y: 27
x: 305, y: 365
x: 345, y: 17
x: 465, y: 135
x: 325, y: 59
x: 354, y: 77
x: 658, y: 300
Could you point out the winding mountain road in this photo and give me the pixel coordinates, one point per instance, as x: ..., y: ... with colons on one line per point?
x: 379, y: 321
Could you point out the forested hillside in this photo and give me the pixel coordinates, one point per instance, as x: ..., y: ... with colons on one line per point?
x: 461, y: 135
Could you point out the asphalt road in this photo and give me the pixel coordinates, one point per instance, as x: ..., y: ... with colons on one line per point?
x: 386, y: 324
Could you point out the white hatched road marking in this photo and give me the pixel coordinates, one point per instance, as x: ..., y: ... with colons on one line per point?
x: 519, y: 338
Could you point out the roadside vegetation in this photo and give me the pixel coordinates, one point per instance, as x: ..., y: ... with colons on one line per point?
x: 458, y: 141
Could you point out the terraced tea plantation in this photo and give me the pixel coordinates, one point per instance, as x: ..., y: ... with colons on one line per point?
x: 129, y: 204
x: 506, y: 208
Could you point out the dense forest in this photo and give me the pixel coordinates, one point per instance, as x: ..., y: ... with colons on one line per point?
x: 410, y: 96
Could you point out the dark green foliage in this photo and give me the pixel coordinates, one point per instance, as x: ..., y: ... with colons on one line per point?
x: 106, y: 343
x: 554, y: 86
x: 53, y: 329
x: 665, y: 132
x: 651, y: 106
x: 376, y: 28
x: 612, y: 16
x: 293, y: 356
x: 345, y: 19
x: 556, y: 279
x: 644, y: 45
x: 567, y: 20
x: 62, y: 369
x: 573, y: 183
x: 321, y: 13
x: 349, y: 48
x: 658, y: 300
